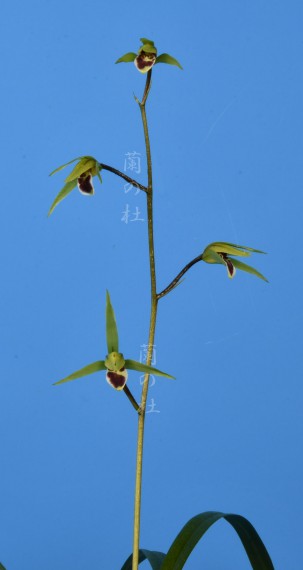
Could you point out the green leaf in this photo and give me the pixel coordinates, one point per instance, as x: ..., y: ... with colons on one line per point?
x: 63, y: 166
x: 166, y: 58
x: 155, y: 559
x: 86, y: 163
x: 2, y: 567
x: 111, y: 327
x: 248, y: 268
x: 196, y: 527
x: 85, y: 371
x: 62, y: 194
x: 126, y: 58
x: 140, y: 367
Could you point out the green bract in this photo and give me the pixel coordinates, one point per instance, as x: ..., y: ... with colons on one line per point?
x: 224, y: 252
x: 146, y: 57
x: 114, y: 363
x: 81, y: 176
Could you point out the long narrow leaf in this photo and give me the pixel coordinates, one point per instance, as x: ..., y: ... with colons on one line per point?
x: 196, y: 527
x: 111, y: 327
x: 155, y: 559
x: 140, y: 367
x: 62, y: 194
x: 85, y: 371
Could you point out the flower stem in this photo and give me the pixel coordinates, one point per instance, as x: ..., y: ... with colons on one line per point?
x: 122, y: 175
x: 152, y: 327
x: 176, y: 280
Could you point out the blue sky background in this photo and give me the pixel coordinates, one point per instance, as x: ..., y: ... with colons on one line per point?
x: 226, y: 136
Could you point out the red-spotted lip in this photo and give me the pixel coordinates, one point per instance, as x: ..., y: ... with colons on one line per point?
x: 144, y: 61
x: 231, y: 270
x: 85, y: 183
x: 117, y: 379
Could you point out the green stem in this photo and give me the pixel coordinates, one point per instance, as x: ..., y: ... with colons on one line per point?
x: 152, y: 327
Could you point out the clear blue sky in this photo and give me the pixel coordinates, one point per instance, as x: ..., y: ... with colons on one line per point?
x: 226, y: 136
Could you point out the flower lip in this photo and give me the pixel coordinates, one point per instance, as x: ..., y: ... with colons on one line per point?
x: 145, y: 61
x: 117, y: 379
x: 85, y: 184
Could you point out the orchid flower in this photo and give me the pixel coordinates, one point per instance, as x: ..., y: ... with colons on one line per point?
x: 115, y: 364
x: 224, y: 252
x: 81, y: 176
x: 146, y: 57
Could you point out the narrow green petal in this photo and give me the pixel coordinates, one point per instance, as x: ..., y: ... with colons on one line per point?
x: 111, y: 327
x: 62, y: 194
x: 99, y: 176
x: 126, y: 58
x: 248, y: 268
x: 85, y: 371
x: 64, y: 165
x: 166, y: 58
x: 140, y: 367
x: 86, y: 163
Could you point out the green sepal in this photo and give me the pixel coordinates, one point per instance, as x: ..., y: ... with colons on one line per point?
x: 2, y: 567
x: 140, y: 367
x: 111, y: 327
x: 85, y: 371
x: 126, y: 58
x: 64, y: 165
x: 86, y: 163
x: 212, y: 256
x: 146, y: 41
x: 166, y: 58
x: 62, y: 194
x: 154, y: 558
x: 196, y: 527
x: 148, y: 48
x: 244, y: 267
x: 233, y: 249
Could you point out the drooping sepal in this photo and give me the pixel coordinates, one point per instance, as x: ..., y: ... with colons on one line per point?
x: 85, y: 371
x: 166, y: 58
x: 67, y: 188
x: 127, y: 57
x: 140, y: 367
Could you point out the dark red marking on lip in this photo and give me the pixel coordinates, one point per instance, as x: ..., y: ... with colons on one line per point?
x: 116, y: 380
x: 85, y: 184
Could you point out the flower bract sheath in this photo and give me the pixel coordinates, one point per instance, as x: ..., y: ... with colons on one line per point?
x: 225, y: 253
